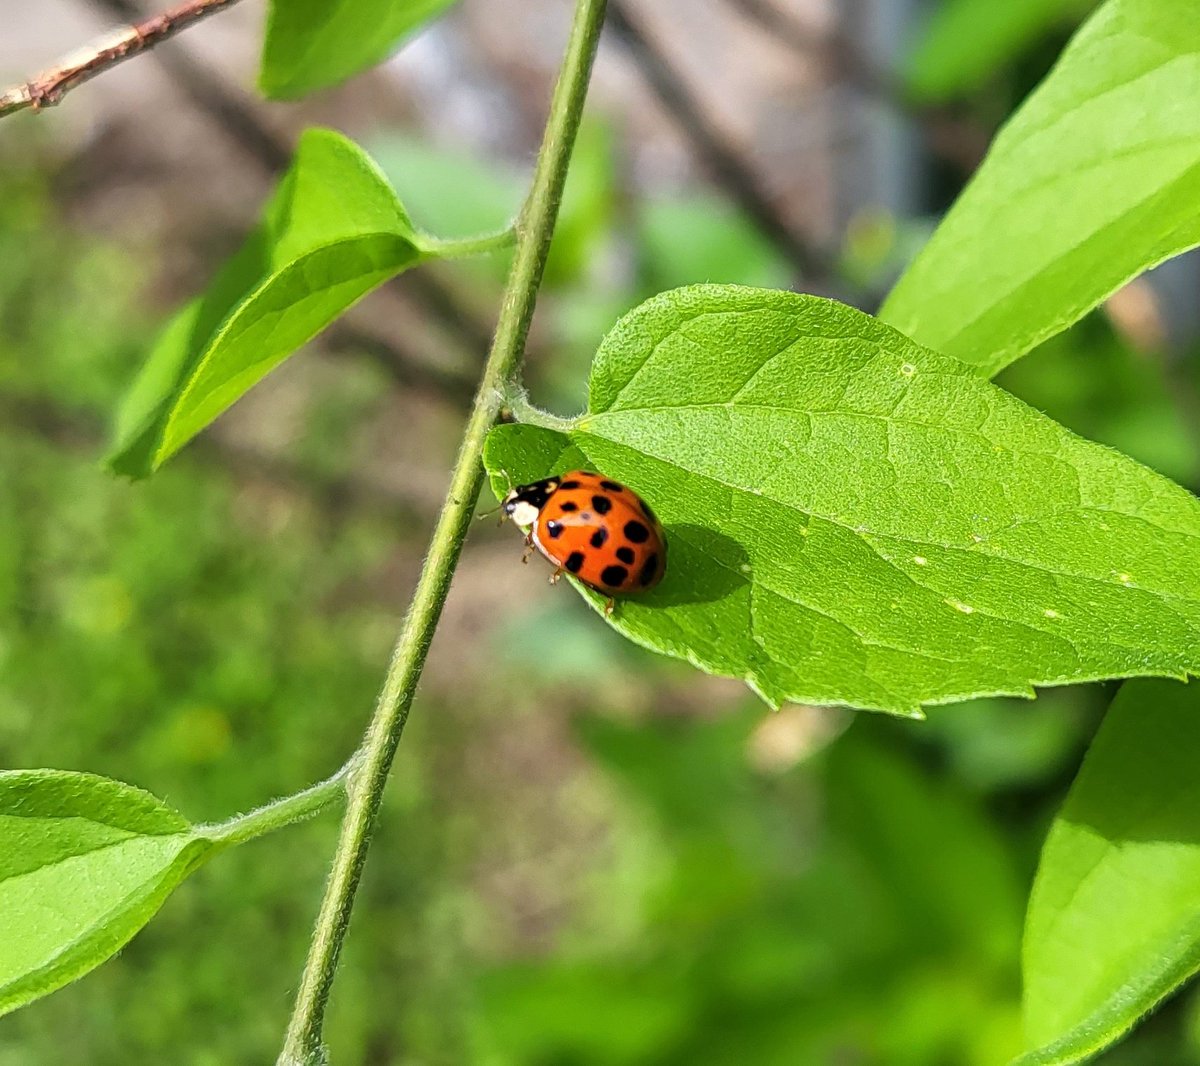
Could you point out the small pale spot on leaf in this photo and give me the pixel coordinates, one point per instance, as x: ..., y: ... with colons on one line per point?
x: 958, y: 605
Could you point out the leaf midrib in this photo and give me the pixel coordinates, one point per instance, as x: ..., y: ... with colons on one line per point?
x: 129, y: 835
x: 863, y: 537
x: 1052, y: 634
x: 227, y: 331
x: 585, y: 425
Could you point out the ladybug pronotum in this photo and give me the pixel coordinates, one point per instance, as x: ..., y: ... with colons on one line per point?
x: 595, y: 528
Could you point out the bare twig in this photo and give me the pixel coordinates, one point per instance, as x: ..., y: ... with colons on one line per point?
x: 209, y: 93
x: 49, y: 87
x: 738, y: 180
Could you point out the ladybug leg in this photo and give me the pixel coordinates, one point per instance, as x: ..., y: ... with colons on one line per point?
x: 609, y: 607
x: 528, y: 548
x: 556, y: 575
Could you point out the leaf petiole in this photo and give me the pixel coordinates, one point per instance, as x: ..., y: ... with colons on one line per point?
x: 464, y: 247
x: 279, y: 813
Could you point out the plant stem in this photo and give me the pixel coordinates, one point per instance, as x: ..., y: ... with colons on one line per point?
x: 370, y: 766
x: 279, y: 813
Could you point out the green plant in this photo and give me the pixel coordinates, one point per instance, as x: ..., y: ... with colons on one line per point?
x: 856, y: 515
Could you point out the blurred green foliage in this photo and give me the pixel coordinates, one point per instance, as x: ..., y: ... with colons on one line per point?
x: 780, y: 932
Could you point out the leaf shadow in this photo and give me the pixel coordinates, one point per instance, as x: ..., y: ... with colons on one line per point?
x: 702, y: 566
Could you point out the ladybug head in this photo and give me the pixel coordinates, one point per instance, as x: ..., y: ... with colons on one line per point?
x: 525, y: 501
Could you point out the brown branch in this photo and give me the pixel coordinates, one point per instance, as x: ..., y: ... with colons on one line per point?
x: 726, y: 166
x: 49, y: 87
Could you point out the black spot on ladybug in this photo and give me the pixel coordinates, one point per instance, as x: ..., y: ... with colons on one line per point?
x: 574, y: 562
x: 637, y: 532
x: 614, y: 576
x: 555, y: 529
x: 602, y: 504
x: 599, y: 537
x: 569, y: 507
x: 625, y: 554
x: 649, y: 568
x: 569, y: 484
x: 611, y: 486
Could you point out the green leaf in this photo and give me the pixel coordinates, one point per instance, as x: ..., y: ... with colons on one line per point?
x: 1113, y: 925
x: 332, y: 232
x: 966, y: 41
x: 84, y: 864
x: 311, y: 44
x: 1094, y: 180
x: 853, y: 519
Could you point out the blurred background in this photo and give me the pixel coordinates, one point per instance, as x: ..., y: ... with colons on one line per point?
x: 589, y: 856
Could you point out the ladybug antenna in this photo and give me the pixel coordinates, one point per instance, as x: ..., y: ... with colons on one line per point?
x: 491, y: 511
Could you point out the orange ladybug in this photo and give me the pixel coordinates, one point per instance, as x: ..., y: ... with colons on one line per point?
x: 595, y: 528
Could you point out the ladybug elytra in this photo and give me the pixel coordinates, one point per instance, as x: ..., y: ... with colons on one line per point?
x: 595, y: 528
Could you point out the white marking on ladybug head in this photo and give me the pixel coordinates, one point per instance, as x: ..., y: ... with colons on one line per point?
x: 520, y: 511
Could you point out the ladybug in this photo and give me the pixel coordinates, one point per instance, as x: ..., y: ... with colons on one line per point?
x: 597, y: 529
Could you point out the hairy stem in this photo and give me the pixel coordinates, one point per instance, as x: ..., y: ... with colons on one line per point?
x: 369, y: 770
